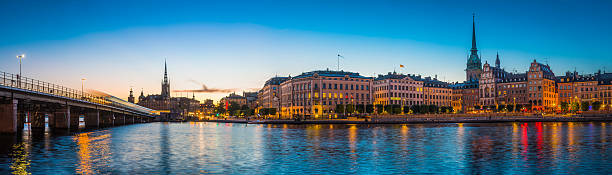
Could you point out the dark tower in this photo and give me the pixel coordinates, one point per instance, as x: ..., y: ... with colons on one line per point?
x: 141, y: 97
x: 474, y: 65
x: 165, y: 93
x: 497, y: 60
x: 131, y: 97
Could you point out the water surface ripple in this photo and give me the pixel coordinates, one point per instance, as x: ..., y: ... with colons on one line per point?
x: 225, y: 148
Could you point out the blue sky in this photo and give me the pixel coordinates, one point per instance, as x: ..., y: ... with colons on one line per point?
x: 239, y: 44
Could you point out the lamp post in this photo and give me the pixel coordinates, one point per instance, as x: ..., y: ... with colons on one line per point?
x: 514, y: 108
x: 19, y: 77
x: 82, y: 87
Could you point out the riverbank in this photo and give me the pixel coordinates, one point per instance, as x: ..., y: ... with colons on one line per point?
x: 432, y: 119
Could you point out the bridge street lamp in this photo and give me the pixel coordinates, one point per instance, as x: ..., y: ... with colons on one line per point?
x: 19, y: 77
x: 82, y: 88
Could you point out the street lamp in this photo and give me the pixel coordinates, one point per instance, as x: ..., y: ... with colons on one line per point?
x: 19, y: 77
x: 82, y: 87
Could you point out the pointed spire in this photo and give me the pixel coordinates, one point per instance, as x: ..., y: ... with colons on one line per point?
x: 497, y: 62
x: 473, y: 32
x: 165, y: 72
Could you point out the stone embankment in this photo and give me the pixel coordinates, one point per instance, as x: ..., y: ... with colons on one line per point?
x: 438, y: 118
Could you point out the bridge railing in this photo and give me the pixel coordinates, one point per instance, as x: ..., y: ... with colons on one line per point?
x: 15, y: 81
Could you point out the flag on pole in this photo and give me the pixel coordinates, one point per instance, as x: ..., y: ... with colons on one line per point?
x: 401, y: 65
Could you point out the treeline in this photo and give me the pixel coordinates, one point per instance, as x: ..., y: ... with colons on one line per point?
x: 503, y: 108
x: 582, y: 106
x: 392, y: 109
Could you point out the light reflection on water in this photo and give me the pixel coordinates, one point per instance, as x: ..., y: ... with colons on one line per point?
x: 226, y: 148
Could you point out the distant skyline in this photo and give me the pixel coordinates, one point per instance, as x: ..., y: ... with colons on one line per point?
x: 238, y: 45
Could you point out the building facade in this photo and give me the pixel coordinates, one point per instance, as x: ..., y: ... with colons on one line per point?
x: 398, y: 89
x: 541, y: 87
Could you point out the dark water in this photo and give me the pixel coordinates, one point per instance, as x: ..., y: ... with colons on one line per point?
x: 199, y: 148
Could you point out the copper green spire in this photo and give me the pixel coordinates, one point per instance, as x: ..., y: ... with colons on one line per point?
x: 473, y: 50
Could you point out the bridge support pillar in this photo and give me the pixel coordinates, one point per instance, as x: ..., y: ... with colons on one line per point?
x: 37, y: 120
x: 66, y: 118
x: 133, y: 119
x: 92, y: 119
x: 119, y: 119
x: 106, y: 119
x: 8, y: 117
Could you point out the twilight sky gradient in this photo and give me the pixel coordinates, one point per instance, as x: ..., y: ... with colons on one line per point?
x: 240, y: 44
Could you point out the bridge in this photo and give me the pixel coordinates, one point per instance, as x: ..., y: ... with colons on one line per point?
x: 40, y: 102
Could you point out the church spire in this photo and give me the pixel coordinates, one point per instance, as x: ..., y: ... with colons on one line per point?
x: 473, y: 35
x: 497, y: 60
x: 165, y: 84
x: 165, y: 72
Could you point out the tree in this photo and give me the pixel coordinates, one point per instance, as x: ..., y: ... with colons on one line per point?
x: 339, y: 109
x: 272, y: 111
x: 424, y: 109
x: 415, y: 109
x: 379, y: 108
x: 387, y: 108
x: 501, y: 107
x: 369, y: 108
x: 450, y: 109
x: 360, y: 108
x: 596, y: 105
x: 396, y: 109
x: 249, y: 112
x: 584, y: 106
x: 244, y: 107
x: 433, y: 109
x: 233, y: 107
x: 510, y: 108
x: 477, y: 107
x: 564, y: 106
x: 528, y: 106
x: 220, y: 109
x: 574, y: 106
x: 407, y: 109
x: 350, y: 108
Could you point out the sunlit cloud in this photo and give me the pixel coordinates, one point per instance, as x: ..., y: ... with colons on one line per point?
x: 205, y: 89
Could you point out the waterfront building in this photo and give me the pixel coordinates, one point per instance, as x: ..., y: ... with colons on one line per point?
x: 398, y: 89
x: 251, y: 99
x: 541, y: 86
x: 436, y: 92
x: 208, y: 107
x: 465, y: 96
x: 315, y: 94
x: 488, y: 83
x: 590, y: 88
x: 170, y: 107
x: 269, y: 95
x: 233, y: 98
x: 513, y: 90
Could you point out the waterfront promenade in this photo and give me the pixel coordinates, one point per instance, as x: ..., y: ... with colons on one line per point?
x: 435, y: 118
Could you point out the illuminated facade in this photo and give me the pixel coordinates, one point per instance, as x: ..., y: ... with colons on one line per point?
x: 398, y: 89
x: 513, y: 90
x: 542, y: 90
x: 488, y: 81
x: 464, y: 96
x: 269, y: 96
x: 574, y: 88
x: 436, y: 92
x: 315, y: 94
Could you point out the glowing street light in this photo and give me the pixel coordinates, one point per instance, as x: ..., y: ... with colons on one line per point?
x: 82, y: 87
x: 19, y: 77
